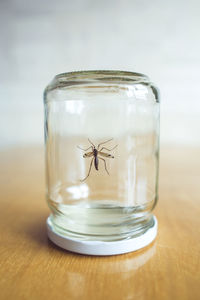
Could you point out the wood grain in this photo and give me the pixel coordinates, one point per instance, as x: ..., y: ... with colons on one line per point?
x: 33, y: 268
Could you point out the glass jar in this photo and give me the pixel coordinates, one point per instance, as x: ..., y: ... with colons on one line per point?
x: 102, y: 146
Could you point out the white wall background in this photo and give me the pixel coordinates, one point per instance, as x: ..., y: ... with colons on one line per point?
x: 42, y: 38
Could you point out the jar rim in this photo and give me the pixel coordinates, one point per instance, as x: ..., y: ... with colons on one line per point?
x: 68, y: 79
x: 97, y: 74
x: 99, y: 78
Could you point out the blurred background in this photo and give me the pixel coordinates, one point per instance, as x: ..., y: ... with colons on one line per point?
x: 42, y: 38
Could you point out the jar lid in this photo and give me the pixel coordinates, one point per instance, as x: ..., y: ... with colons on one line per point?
x: 100, y: 247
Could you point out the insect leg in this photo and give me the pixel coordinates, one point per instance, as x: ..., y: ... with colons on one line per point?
x: 91, y: 143
x: 89, y: 170
x: 108, y: 149
x: 104, y: 143
x: 105, y: 165
x: 84, y: 149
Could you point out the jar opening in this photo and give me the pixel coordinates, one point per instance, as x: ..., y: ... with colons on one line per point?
x: 101, y: 76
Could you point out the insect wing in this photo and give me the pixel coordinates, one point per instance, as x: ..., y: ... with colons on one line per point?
x: 89, y: 154
x: 105, y: 154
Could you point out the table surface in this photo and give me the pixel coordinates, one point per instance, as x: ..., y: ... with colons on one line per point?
x: 31, y: 267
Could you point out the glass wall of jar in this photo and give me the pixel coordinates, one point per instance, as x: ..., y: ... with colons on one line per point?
x: 102, y: 145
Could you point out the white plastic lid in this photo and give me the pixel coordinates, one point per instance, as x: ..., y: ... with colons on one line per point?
x: 100, y: 247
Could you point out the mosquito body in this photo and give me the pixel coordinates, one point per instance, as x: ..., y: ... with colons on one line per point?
x: 97, y: 153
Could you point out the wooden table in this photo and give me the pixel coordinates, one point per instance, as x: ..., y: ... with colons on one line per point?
x: 33, y: 268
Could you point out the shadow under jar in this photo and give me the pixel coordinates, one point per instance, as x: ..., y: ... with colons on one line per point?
x: 102, y: 145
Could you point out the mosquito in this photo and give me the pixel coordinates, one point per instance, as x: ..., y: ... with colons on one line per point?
x: 95, y: 154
